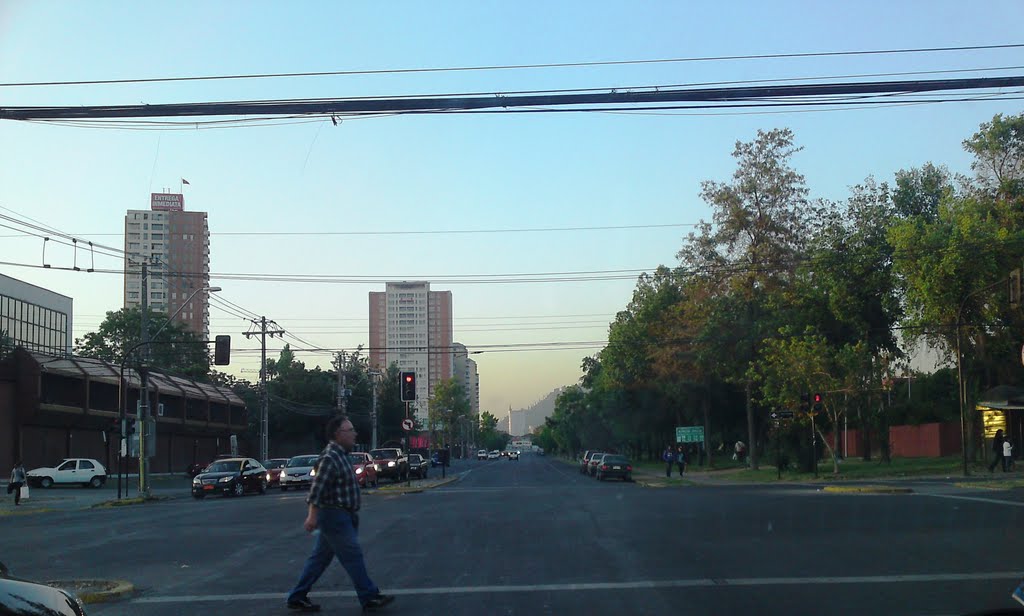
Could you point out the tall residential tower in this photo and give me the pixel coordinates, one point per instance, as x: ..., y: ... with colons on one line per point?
x: 176, y: 246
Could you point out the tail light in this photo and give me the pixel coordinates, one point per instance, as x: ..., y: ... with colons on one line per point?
x: 604, y: 467
x: 629, y: 468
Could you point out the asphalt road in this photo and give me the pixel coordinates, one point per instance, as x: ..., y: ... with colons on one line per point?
x: 535, y: 537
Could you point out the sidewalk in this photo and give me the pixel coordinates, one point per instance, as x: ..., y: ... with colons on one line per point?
x: 70, y: 498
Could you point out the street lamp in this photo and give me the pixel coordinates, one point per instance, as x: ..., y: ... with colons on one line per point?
x: 144, y: 395
x: 961, y: 389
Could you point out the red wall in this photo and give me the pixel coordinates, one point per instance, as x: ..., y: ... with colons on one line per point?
x: 923, y: 441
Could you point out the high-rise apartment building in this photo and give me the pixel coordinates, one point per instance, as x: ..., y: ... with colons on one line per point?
x: 469, y: 377
x: 175, y: 244
x: 411, y: 326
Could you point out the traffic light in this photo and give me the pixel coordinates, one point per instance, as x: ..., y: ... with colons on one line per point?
x: 408, y: 386
x: 817, y: 403
x: 222, y: 351
x: 805, y: 403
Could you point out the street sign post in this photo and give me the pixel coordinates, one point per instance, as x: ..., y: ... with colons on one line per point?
x: 776, y: 415
x: 690, y: 434
x: 407, y: 425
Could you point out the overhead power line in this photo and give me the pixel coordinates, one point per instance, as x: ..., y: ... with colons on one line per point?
x: 505, y: 67
x: 656, y: 95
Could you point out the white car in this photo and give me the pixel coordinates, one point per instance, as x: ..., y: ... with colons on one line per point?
x: 494, y: 455
x: 481, y: 455
x: 71, y: 471
x: 513, y: 455
x: 298, y: 472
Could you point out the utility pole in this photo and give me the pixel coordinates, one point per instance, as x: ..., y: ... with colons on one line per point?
x: 143, y: 412
x: 373, y: 412
x: 263, y: 332
x: 342, y: 382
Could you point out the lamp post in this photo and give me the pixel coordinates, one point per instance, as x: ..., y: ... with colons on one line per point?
x: 961, y: 388
x: 144, y: 400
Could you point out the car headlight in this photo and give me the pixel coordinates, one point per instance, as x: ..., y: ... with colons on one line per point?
x: 196, y: 480
x: 226, y: 479
x: 312, y: 472
x: 359, y: 471
x: 268, y: 476
x: 376, y: 467
x: 390, y: 464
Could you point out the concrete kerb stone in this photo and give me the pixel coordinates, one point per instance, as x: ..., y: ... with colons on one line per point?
x: 415, y: 489
x: 95, y: 591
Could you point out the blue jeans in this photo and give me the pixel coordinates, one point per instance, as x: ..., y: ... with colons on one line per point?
x: 337, y: 537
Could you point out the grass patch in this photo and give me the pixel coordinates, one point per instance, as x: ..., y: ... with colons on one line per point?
x: 995, y: 484
x: 125, y: 502
x: 856, y: 468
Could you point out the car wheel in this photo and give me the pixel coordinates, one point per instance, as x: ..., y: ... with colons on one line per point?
x: 46, y: 482
x: 238, y: 490
x: 263, y: 487
x: 95, y: 482
x: 628, y: 478
x: 198, y: 495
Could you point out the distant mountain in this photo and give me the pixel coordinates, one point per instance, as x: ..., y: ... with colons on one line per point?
x: 523, y: 420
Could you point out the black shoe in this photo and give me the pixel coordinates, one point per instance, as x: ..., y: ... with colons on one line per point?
x: 377, y: 602
x: 303, y: 605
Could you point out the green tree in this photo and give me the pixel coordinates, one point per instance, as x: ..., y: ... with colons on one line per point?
x: 447, y: 405
x: 173, y: 348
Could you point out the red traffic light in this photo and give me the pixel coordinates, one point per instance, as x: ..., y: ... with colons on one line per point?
x: 817, y: 398
x: 408, y: 378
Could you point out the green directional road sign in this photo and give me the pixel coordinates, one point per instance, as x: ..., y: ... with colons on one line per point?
x: 690, y: 434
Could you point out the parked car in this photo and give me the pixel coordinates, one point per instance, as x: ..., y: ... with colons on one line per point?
x: 481, y: 454
x: 585, y: 462
x: 494, y: 455
x: 25, y: 598
x: 513, y: 455
x: 71, y: 471
x: 365, y: 469
x: 594, y: 461
x: 298, y: 472
x: 612, y: 465
x: 274, y: 467
x: 230, y: 477
x: 418, y: 467
x: 391, y: 462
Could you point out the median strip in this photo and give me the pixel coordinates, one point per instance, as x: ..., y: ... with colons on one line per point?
x: 95, y: 591
x: 867, y: 490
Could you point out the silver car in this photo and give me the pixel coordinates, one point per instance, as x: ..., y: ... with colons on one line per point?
x: 298, y: 472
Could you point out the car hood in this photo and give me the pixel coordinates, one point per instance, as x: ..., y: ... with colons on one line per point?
x: 23, y: 597
x: 296, y: 469
x: 42, y: 470
x: 202, y: 476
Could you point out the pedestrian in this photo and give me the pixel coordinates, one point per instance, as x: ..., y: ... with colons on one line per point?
x: 997, y: 449
x: 334, y: 511
x: 17, y: 481
x: 741, y: 451
x: 681, y: 460
x: 1007, y: 455
x: 669, y: 457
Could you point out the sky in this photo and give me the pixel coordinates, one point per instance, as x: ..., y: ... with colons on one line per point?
x: 483, y: 186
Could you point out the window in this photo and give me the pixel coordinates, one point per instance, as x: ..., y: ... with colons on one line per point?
x: 85, y: 465
x: 67, y: 466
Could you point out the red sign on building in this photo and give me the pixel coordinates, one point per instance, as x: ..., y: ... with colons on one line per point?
x: 168, y: 202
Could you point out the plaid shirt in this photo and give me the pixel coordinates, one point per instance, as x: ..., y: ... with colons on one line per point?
x: 335, y: 485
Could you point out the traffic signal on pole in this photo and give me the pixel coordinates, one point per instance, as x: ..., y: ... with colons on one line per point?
x: 408, y: 386
x: 222, y: 351
x: 805, y: 403
x: 817, y: 403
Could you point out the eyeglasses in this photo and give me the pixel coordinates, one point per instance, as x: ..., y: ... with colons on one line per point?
x: 346, y: 429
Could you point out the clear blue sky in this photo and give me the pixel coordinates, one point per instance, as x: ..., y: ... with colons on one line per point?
x: 462, y: 172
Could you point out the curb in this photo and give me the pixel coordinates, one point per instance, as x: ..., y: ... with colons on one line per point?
x: 866, y: 490
x: 124, y: 502
x: 27, y: 511
x: 416, y: 489
x: 118, y: 589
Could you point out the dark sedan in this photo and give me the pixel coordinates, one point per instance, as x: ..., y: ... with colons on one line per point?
x: 418, y: 466
x: 231, y: 477
x: 611, y: 465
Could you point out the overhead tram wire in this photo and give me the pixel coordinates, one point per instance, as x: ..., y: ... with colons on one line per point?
x: 774, y: 56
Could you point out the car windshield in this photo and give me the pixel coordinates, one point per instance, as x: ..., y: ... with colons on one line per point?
x: 767, y: 254
x: 226, y: 466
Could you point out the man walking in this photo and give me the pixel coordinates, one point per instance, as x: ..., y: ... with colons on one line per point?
x: 333, y: 509
x: 18, y: 480
x: 997, y: 449
x: 669, y: 457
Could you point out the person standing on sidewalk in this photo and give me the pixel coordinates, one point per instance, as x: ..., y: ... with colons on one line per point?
x: 669, y: 457
x: 333, y: 510
x: 1007, y: 455
x: 681, y: 460
x: 18, y: 480
x: 997, y: 449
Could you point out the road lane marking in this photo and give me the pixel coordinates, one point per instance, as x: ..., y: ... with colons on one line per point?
x: 980, y: 499
x: 591, y: 586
